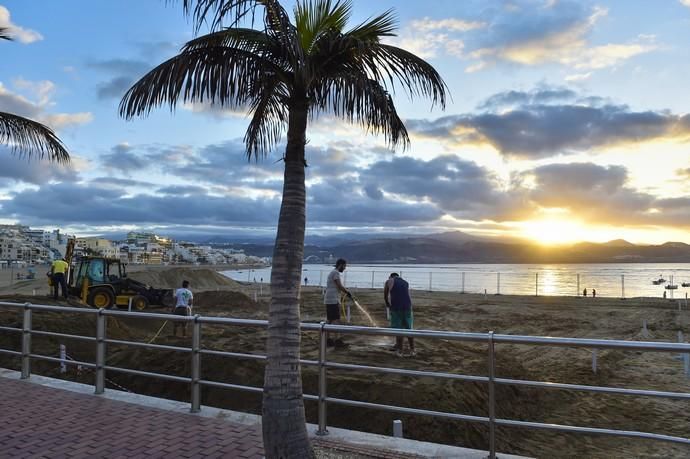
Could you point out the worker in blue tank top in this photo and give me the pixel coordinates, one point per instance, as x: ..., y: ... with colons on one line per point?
x: 396, y: 294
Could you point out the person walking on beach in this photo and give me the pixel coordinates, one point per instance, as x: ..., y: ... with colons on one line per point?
x: 396, y: 294
x: 58, y: 274
x: 183, y: 306
x: 331, y: 299
x: 594, y: 293
x: 584, y: 292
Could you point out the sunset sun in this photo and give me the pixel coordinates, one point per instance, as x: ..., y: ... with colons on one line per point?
x: 554, y: 231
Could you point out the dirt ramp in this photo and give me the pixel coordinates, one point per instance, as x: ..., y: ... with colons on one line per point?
x: 199, y: 278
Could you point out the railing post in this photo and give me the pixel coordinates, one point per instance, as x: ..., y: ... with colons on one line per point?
x: 623, y: 286
x: 26, y: 342
x: 100, y: 351
x: 430, y: 279
x: 492, y: 398
x: 578, y: 285
x: 462, y: 289
x: 322, y: 381
x: 498, y: 283
x: 372, y: 279
x: 536, y: 284
x: 196, y: 365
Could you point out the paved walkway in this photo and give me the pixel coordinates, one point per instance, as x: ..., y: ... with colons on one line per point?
x: 41, y: 422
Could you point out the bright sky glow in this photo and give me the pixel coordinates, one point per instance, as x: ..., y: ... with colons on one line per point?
x: 569, y: 121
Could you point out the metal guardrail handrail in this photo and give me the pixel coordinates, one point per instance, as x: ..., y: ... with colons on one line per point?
x: 323, y: 364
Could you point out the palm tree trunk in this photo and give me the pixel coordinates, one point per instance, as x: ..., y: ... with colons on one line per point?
x: 284, y: 424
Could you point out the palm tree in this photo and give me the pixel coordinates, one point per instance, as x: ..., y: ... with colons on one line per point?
x: 27, y: 137
x: 286, y: 74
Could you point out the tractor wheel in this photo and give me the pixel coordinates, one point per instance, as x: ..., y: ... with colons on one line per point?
x: 101, y: 297
x: 139, y: 302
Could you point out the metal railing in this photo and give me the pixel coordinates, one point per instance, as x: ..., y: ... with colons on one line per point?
x: 491, y: 339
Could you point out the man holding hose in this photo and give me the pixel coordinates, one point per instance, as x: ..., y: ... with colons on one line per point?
x: 332, y: 299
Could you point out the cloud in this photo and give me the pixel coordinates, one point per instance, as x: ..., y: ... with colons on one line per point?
x: 106, y: 206
x: 125, y: 159
x: 511, y: 99
x: 685, y: 2
x: 524, y: 125
x: 124, y: 72
x: 21, y: 34
x: 456, y: 25
x: 535, y: 33
x: 427, y: 37
x: 600, y: 194
x: 12, y: 102
x: 182, y: 190
x: 577, y: 77
x: 119, y: 183
x: 16, y: 169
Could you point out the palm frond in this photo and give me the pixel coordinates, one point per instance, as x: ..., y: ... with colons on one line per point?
x: 359, y: 99
x: 5, y: 33
x: 214, y: 74
x: 229, y: 13
x: 213, y: 12
x: 317, y: 18
x: 383, y: 25
x: 389, y: 64
x: 29, y: 138
x: 269, y: 119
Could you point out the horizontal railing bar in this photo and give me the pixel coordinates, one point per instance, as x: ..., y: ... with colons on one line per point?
x: 404, y: 410
x: 221, y: 385
x: 151, y: 375
x: 49, y: 308
x: 59, y: 360
x: 229, y: 321
x: 237, y: 355
x: 240, y: 355
x: 437, y: 334
x: 9, y: 352
x: 147, y: 315
x: 62, y: 335
x: 592, y: 430
x: 594, y: 343
x: 12, y: 305
x: 402, y: 371
x: 11, y: 329
x: 253, y: 389
x: 162, y: 347
x: 598, y: 389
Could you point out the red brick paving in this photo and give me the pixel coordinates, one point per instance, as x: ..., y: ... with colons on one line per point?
x: 42, y: 422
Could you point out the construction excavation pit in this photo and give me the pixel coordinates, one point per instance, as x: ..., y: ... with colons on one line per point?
x: 215, y: 295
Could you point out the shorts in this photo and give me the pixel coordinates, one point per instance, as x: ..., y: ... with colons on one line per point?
x: 333, y: 312
x: 182, y: 311
x: 401, y: 319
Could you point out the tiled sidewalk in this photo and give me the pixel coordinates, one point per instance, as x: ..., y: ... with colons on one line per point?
x: 37, y: 422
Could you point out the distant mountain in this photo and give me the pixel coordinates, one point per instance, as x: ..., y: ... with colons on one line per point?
x: 454, y: 248
x: 619, y: 243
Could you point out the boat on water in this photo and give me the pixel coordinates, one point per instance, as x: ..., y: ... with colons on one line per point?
x: 671, y: 287
x: 659, y: 281
x: 685, y: 284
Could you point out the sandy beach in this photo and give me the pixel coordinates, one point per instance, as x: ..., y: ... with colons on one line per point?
x: 524, y: 315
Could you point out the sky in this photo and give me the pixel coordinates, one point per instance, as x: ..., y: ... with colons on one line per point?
x: 567, y: 121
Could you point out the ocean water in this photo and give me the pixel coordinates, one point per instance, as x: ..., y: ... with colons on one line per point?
x: 608, y: 279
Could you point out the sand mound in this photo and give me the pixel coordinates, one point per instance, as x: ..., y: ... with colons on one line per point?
x: 199, y: 278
